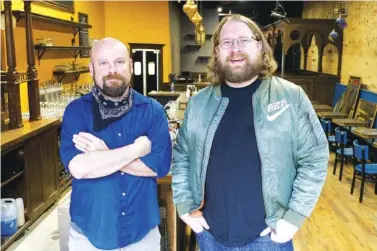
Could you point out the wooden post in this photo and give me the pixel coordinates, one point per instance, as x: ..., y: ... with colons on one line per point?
x: 282, y: 62
x: 15, y: 118
x: 321, y: 48
x: 32, y: 84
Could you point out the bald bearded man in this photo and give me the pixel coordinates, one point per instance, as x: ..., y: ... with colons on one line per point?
x: 115, y: 142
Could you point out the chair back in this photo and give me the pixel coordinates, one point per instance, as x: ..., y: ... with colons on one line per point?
x: 340, y: 136
x: 361, y: 152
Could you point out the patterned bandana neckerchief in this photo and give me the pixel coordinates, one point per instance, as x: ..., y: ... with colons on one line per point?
x: 106, y: 111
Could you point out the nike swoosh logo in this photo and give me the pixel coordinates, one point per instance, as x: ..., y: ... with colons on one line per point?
x: 274, y: 116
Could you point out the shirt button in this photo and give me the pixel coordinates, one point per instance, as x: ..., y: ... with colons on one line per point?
x: 119, y: 134
x: 122, y: 173
x: 123, y: 213
x: 124, y: 194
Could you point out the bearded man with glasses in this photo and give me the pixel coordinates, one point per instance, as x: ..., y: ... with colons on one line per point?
x: 251, y: 156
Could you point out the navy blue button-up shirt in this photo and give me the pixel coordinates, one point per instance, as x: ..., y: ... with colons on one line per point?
x: 120, y: 209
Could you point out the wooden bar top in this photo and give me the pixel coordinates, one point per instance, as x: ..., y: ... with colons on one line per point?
x: 13, y: 137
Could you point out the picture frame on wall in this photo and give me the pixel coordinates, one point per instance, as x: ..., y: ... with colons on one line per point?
x: 67, y: 6
x: 83, y: 35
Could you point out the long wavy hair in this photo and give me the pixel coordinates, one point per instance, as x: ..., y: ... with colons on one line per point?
x: 269, y: 65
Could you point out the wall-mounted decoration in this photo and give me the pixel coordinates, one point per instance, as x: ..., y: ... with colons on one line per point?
x: 67, y: 6
x: 83, y: 35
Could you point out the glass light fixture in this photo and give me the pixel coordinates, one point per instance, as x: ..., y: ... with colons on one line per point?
x: 196, y: 19
x: 190, y: 8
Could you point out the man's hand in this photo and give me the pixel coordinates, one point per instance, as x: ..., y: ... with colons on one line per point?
x: 86, y: 142
x: 284, y: 232
x: 144, y: 145
x: 197, y: 223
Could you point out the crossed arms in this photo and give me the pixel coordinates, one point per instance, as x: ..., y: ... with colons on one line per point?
x: 97, y: 160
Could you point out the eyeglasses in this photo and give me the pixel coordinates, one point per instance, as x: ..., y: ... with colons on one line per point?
x: 242, y: 42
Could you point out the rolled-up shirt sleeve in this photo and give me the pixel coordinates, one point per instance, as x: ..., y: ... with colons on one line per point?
x: 159, y: 159
x: 72, y: 123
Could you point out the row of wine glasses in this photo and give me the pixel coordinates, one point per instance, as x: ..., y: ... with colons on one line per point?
x: 54, y: 97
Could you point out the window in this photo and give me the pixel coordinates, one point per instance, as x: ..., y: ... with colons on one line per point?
x: 137, y: 68
x: 151, y: 67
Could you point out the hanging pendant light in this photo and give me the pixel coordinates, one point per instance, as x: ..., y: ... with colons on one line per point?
x: 333, y: 35
x: 200, y: 37
x: 193, y: 10
x: 190, y: 8
x: 341, y: 21
x: 186, y: 7
x: 201, y: 28
x: 196, y: 20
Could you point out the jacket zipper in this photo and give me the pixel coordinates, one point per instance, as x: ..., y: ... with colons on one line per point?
x: 205, y: 172
x: 258, y: 140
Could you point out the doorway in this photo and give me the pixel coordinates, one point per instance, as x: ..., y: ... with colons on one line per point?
x: 147, y: 65
x: 293, y: 58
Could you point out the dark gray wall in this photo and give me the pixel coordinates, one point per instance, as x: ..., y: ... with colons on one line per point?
x: 189, y: 59
x: 175, y: 37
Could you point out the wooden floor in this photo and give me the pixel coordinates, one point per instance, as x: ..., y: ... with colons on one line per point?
x: 339, y: 221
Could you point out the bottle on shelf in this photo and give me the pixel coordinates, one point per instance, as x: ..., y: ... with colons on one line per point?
x: 188, y: 93
x: 8, y: 217
x: 172, y: 82
x: 20, y: 212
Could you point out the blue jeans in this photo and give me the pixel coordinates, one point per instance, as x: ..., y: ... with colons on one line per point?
x: 207, y: 242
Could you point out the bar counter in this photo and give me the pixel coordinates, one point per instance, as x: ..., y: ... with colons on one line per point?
x: 13, y: 137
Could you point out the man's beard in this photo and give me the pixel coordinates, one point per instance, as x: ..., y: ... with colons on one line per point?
x: 235, y: 75
x: 114, y: 90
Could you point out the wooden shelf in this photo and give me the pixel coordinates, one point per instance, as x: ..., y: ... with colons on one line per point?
x: 12, y: 178
x: 64, y: 48
x: 52, y: 20
x: 75, y: 49
x: 76, y: 73
x: 7, y: 241
x: 192, y: 47
x: 203, y: 58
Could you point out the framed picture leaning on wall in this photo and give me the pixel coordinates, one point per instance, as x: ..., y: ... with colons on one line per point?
x: 67, y: 6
